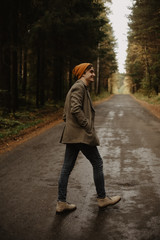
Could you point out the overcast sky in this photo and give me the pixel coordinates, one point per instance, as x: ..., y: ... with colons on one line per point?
x: 118, y: 17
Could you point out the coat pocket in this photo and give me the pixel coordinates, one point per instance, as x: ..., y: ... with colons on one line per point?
x: 89, y: 127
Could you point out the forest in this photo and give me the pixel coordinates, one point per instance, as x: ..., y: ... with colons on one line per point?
x: 143, y: 58
x: 40, y: 43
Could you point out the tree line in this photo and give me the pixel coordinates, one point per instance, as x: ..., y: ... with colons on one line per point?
x: 40, y: 43
x: 143, y: 58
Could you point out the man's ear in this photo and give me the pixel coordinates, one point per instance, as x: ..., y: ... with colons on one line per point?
x: 83, y: 74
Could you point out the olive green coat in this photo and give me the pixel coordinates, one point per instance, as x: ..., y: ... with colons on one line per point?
x: 79, y: 116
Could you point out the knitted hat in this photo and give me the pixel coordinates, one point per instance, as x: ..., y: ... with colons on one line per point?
x: 80, y: 69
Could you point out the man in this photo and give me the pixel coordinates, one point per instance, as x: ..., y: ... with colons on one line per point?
x: 79, y: 135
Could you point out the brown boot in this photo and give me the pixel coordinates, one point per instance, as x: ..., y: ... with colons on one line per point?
x: 104, y: 202
x: 64, y: 206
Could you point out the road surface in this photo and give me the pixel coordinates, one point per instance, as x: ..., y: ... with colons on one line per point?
x: 130, y: 147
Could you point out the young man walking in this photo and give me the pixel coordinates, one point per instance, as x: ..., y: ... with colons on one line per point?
x: 79, y: 135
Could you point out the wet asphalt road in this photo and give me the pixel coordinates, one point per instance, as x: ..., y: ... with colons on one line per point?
x: 130, y: 147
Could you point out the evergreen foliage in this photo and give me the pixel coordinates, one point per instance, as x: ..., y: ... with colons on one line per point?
x: 40, y: 43
x: 143, y: 59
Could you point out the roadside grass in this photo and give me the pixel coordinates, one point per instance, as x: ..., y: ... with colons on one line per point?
x: 11, y: 125
x: 151, y: 103
x: 155, y: 99
x: 103, y: 95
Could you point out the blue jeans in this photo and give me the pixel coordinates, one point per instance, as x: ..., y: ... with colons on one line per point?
x: 92, y: 154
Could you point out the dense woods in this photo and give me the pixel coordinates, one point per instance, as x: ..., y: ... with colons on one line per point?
x: 143, y: 59
x: 40, y: 43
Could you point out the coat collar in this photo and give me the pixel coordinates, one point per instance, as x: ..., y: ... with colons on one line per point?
x: 88, y: 94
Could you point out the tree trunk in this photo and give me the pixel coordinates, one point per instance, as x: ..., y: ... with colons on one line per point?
x: 42, y: 73
x: 14, y: 56
x: 97, y: 77
x: 20, y: 68
x: 24, y: 79
x: 38, y: 77
x: 70, y: 73
x: 5, y: 87
x: 58, y: 78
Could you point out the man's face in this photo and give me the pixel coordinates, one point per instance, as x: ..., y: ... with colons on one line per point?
x: 89, y: 75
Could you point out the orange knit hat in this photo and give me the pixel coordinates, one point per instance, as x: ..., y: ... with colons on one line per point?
x: 79, y: 69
